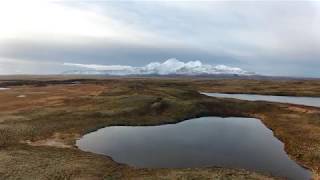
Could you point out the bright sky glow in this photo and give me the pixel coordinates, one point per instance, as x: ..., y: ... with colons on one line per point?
x: 266, y: 37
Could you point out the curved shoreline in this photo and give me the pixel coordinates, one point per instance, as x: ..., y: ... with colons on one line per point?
x: 74, y: 110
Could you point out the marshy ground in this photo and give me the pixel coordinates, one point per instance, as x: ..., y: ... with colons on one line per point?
x: 40, y: 120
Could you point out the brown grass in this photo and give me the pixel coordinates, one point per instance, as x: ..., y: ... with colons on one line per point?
x: 268, y: 87
x: 55, y: 115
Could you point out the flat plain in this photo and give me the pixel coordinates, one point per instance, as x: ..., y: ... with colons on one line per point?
x: 42, y: 117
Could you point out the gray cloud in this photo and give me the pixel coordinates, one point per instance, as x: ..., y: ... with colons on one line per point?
x: 106, y: 52
x: 19, y: 66
x: 275, y: 38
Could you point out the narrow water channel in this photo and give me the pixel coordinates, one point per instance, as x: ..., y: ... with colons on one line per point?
x: 202, y: 142
x: 307, y: 101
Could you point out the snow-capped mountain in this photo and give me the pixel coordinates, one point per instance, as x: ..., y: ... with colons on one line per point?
x: 168, y: 67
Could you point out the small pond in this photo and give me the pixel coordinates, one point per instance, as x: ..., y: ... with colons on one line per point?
x: 202, y: 142
x: 307, y: 101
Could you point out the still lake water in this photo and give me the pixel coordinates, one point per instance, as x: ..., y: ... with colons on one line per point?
x: 201, y: 142
x: 308, y: 101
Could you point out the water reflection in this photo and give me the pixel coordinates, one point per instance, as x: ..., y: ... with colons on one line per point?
x: 202, y: 142
x: 308, y: 101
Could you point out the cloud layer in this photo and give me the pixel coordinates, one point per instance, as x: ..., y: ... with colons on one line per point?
x: 169, y: 67
x: 267, y: 37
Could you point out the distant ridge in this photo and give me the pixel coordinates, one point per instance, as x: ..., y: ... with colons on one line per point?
x: 199, y: 76
x: 169, y: 67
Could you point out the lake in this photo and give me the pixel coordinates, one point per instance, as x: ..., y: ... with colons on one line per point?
x: 201, y: 142
x: 307, y: 101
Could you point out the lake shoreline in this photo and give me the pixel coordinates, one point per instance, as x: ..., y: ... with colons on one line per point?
x: 291, y: 100
x: 64, y: 113
x: 219, y: 138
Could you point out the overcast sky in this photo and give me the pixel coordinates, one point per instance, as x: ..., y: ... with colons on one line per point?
x: 271, y: 38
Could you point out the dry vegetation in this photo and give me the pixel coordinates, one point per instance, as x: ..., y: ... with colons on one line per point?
x: 268, y: 87
x: 38, y: 131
